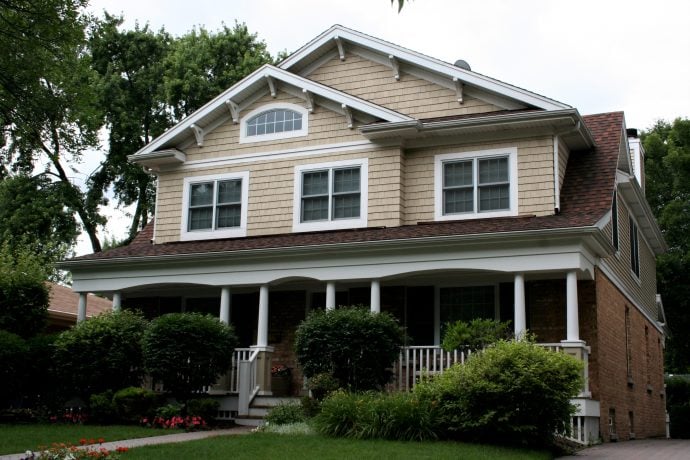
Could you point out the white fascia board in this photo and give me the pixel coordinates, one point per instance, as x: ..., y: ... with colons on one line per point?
x: 636, y: 202
x: 283, y: 76
x: 421, y: 60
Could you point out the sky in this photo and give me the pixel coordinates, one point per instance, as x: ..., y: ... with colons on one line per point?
x: 597, y: 56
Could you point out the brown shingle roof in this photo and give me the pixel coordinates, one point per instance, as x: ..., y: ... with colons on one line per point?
x: 585, y: 198
x: 63, y: 300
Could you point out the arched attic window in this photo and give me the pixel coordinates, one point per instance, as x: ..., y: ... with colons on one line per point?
x: 274, y: 121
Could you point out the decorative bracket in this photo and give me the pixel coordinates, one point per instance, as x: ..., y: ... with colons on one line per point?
x: 309, y: 98
x: 341, y: 49
x: 348, y: 115
x: 271, y: 85
x: 234, y: 111
x: 458, y: 89
x: 198, y: 134
x: 396, y: 67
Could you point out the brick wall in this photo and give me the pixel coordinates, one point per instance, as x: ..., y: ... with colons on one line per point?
x: 286, y: 310
x: 630, y: 366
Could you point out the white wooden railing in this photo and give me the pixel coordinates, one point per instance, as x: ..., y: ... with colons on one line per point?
x: 578, y: 351
x: 240, y: 354
x: 417, y: 362
x: 247, y: 387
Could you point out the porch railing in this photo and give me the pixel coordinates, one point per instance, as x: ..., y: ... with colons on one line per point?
x: 417, y: 362
x: 247, y: 385
x: 578, y: 351
x: 240, y: 354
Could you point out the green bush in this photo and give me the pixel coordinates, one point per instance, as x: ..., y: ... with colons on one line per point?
x: 43, y: 387
x: 206, y: 408
x: 678, y: 406
x: 187, y: 351
x: 353, y: 345
x: 321, y: 385
x: 134, y: 403
x: 102, y: 409
x: 396, y: 416
x: 514, y: 391
x: 285, y: 414
x: 13, y: 354
x: 169, y: 411
x: 102, y: 353
x: 475, y: 334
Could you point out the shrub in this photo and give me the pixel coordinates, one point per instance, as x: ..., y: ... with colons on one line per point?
x: 101, y: 408
x: 353, y: 345
x: 397, y: 416
x: 43, y: 387
x: 475, y: 334
x: 169, y: 411
x: 102, y: 353
x: 206, y: 408
x: 285, y: 414
x: 134, y: 403
x: 13, y: 353
x: 321, y: 385
x: 187, y: 351
x: 678, y: 405
x: 514, y: 391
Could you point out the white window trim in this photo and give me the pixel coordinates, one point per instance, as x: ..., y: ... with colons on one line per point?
x: 636, y: 276
x: 244, y: 139
x: 361, y: 221
x: 187, y: 235
x: 439, y: 160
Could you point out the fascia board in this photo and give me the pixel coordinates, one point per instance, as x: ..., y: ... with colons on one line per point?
x: 247, y: 83
x: 638, y: 205
x: 597, y: 242
x: 433, y: 64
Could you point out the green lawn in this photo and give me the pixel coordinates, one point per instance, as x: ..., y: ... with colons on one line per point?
x: 20, y: 438
x: 285, y: 447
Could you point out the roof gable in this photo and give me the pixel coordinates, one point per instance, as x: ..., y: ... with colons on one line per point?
x: 267, y: 79
x: 337, y: 39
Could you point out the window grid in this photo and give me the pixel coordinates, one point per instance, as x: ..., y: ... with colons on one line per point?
x: 274, y: 121
x: 215, y: 204
x: 331, y: 194
x: 477, y: 183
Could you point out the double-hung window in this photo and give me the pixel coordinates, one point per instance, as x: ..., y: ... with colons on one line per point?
x: 476, y: 184
x: 215, y: 206
x: 330, y: 196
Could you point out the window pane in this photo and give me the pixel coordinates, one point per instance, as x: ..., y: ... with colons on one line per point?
x: 270, y: 128
x: 280, y: 115
x: 457, y: 173
x: 315, y: 183
x: 228, y: 216
x: 260, y: 129
x: 467, y: 303
x: 297, y: 123
x: 494, y: 197
x: 274, y: 121
x: 201, y: 194
x: 200, y: 218
x: 493, y: 170
x: 251, y: 130
x: 270, y: 117
x: 314, y: 209
x: 230, y: 191
x: 458, y: 200
x: 346, y: 180
x: 346, y: 206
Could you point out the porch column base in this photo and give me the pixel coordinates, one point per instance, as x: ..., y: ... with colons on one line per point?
x: 263, y: 369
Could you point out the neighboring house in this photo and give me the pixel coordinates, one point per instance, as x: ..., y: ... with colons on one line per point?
x: 62, y: 312
x: 360, y: 172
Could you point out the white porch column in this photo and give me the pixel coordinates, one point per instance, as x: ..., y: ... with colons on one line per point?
x: 572, y: 319
x: 81, y: 308
x: 375, y: 296
x: 117, y: 301
x: 225, y: 304
x: 262, y: 327
x: 520, y: 317
x: 330, y: 295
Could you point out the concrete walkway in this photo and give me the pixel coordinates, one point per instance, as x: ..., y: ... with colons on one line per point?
x: 167, y: 439
x: 644, y: 449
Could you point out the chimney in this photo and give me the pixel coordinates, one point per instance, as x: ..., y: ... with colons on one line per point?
x: 636, y: 155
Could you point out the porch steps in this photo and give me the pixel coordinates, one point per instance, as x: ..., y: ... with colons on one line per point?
x: 259, y: 408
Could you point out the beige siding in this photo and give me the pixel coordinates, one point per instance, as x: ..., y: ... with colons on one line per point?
x: 644, y: 288
x: 325, y: 127
x: 535, y: 177
x: 271, y: 188
x: 410, y: 95
x: 563, y: 155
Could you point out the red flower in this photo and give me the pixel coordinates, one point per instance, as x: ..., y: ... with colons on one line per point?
x: 82, y: 441
x: 101, y: 440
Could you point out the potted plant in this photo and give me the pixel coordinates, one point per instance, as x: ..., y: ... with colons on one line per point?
x: 281, y: 380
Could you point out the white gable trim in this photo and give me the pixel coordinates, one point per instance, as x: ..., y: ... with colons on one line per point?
x: 247, y: 87
x: 421, y: 60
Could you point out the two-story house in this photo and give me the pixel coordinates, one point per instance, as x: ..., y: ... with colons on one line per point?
x: 361, y: 172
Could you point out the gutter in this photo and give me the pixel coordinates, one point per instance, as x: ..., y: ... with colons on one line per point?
x: 601, y: 246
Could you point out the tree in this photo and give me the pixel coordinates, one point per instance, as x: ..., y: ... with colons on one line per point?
x: 33, y: 214
x: 102, y: 353
x: 23, y: 294
x: 353, y: 345
x: 667, y: 167
x: 187, y: 351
